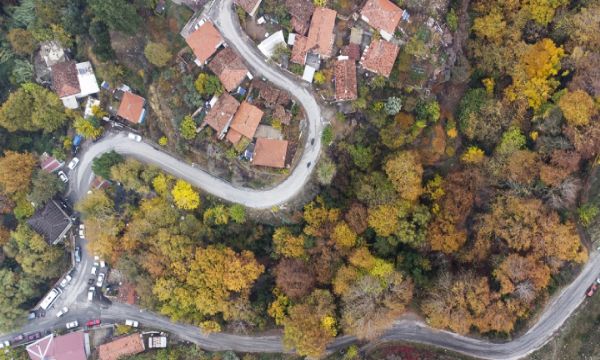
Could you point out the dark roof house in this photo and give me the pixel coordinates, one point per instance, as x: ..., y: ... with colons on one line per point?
x: 301, y: 11
x: 229, y: 67
x: 219, y: 117
x: 64, y: 79
x: 52, y: 222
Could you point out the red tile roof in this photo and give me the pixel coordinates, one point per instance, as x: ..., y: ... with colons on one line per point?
x: 246, y: 120
x: 282, y: 115
x: 131, y: 107
x: 345, y: 80
x: 229, y: 67
x: 382, y: 15
x: 320, y: 34
x: 64, y: 79
x: 233, y: 136
x: 49, y: 163
x: 301, y: 11
x: 205, y: 41
x: 299, y: 50
x: 128, y: 345
x: 221, y: 114
x: 270, y: 152
x: 65, y: 347
x: 379, y: 57
x: 352, y: 51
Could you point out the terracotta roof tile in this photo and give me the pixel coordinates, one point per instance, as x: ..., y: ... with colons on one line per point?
x: 229, y: 67
x: 379, y: 57
x: 352, y: 51
x: 382, y: 15
x: 246, y: 119
x: 64, y: 79
x: 128, y: 345
x: 299, y: 50
x: 221, y: 114
x: 283, y: 116
x: 320, y: 34
x: 345, y: 80
x: 70, y: 346
x: 301, y: 11
x: 233, y: 136
x: 131, y: 107
x: 270, y: 152
x: 205, y: 41
x: 270, y: 94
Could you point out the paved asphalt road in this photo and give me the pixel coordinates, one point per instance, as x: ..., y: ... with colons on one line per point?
x: 553, y: 316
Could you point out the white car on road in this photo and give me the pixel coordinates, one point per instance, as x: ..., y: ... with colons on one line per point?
x: 65, y: 281
x: 82, y: 231
x: 91, y: 293
x: 73, y: 164
x: 72, y: 324
x: 134, y: 137
x: 63, y: 177
x: 132, y: 323
x: 62, y: 312
x: 94, y: 269
x: 100, y: 280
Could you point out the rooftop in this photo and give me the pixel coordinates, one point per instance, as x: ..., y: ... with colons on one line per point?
x: 71, y: 346
x: 379, y: 57
x: 345, y: 80
x: 220, y: 115
x: 299, y: 50
x: 270, y: 152
x: 49, y: 163
x: 229, y: 67
x: 382, y: 14
x: 205, y: 41
x: 301, y: 11
x: 64, y: 79
x: 250, y: 6
x: 128, y: 345
x: 352, y: 51
x: 246, y: 120
x: 320, y: 34
x: 52, y: 222
x: 132, y: 107
x: 87, y: 79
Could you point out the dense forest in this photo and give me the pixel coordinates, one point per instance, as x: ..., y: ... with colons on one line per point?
x: 468, y: 212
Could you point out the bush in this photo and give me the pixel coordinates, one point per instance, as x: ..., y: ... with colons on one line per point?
x: 157, y: 54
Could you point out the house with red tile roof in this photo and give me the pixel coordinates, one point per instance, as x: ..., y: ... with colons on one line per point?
x: 345, y: 79
x: 320, y: 34
x: 383, y: 15
x: 379, y: 57
x: 72, y: 81
x: 229, y: 67
x: 250, y: 6
x: 299, y: 50
x: 204, y: 41
x: 132, y: 108
x: 49, y: 163
x: 270, y: 153
x: 301, y: 11
x: 219, y: 117
x: 244, y: 123
x: 72, y: 346
x: 125, y: 346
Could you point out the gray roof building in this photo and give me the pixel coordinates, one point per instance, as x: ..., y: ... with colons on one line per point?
x: 52, y: 222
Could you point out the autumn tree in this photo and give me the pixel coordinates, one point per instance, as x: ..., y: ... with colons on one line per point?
x: 208, y: 85
x: 185, y: 196
x: 187, y: 128
x: 17, y: 169
x: 103, y: 163
x: 22, y: 41
x: 32, y: 108
x: 343, y: 236
x: 286, y: 244
x: 88, y: 128
x: 405, y: 171
x: 157, y: 54
x: 133, y: 175
x: 310, y: 325
x: 295, y: 278
x: 17, y: 292
x: 578, y: 107
x: 44, y: 186
x: 119, y: 15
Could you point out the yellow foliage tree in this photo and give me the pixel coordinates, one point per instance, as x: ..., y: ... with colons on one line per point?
x: 15, y: 171
x: 490, y: 27
x: 473, y: 155
x: 288, y: 245
x: 578, y: 107
x: 384, y: 220
x: 185, y: 196
x: 343, y: 236
x: 405, y: 171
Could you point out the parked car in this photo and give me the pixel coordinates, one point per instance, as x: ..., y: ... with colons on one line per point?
x: 598, y: 280
x: 66, y: 281
x: 63, y: 177
x: 18, y: 338
x: 4, y: 344
x: 131, y: 323
x: 82, y: 231
x: 102, y: 264
x: 94, y: 270
x: 72, y: 324
x: 134, y: 137
x: 77, y: 254
x: 62, y: 311
x: 91, y: 293
x: 592, y: 289
x: 34, y: 336
x: 91, y: 281
x: 100, y: 281
x: 73, y: 164
x: 94, y: 322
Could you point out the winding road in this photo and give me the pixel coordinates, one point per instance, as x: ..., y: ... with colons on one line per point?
x: 554, y: 315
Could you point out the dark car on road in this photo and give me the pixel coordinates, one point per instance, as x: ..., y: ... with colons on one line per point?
x: 91, y: 323
x: 34, y: 336
x: 17, y: 338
